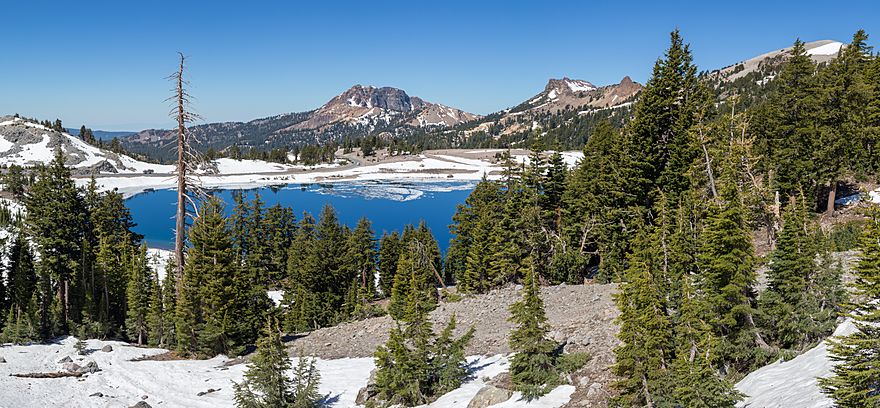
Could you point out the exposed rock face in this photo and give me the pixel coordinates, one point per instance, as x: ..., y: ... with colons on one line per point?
x: 488, y: 396
x: 371, y: 107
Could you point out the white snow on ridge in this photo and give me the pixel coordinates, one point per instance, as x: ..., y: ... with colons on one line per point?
x: 177, y: 383
x: 40, y: 152
x: 831, y: 48
x: 787, y: 384
x: 578, y: 86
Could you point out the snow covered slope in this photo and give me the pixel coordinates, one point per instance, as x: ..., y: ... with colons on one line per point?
x: 792, y: 384
x: 122, y: 382
x: 27, y: 144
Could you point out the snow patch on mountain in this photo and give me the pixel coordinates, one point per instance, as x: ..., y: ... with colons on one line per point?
x: 831, y: 48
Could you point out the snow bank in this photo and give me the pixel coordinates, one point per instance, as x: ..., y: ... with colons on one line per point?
x: 793, y: 383
x: 123, y: 382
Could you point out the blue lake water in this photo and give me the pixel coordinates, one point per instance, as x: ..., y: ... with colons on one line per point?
x: 389, y: 205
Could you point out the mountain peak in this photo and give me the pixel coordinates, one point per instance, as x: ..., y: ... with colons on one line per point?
x: 568, y: 85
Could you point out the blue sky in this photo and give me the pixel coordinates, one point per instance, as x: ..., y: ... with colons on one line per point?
x: 103, y: 64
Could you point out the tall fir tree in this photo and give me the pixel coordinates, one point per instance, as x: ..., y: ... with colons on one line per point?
x: 139, y: 293
x: 855, y: 382
x: 644, y: 359
x: 55, y: 217
x: 533, y: 367
x: 727, y: 264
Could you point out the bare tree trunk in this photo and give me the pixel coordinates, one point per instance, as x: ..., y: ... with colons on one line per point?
x: 832, y: 195
x: 180, y: 225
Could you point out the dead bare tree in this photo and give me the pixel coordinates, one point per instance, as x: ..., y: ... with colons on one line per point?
x: 187, y: 158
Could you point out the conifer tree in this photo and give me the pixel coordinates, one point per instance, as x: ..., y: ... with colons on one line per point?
x: 726, y: 261
x: 855, y: 382
x: 659, y: 144
x: 361, y: 255
x: 787, y: 124
x: 55, y: 217
x: 697, y: 383
x: 844, y: 115
x: 389, y: 255
x: 596, y: 203
x: 139, y: 295
x: 21, y: 277
x: 415, y: 366
x: 266, y: 384
x: 799, y: 306
x: 209, y: 311
x: 644, y: 359
x: 533, y: 367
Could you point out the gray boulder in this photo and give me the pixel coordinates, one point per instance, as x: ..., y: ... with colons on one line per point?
x: 91, y: 367
x: 488, y: 396
x: 65, y: 360
x: 108, y: 348
x: 71, y: 367
x: 2, y: 360
x: 141, y: 404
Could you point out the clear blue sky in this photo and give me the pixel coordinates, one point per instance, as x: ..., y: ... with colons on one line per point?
x: 104, y: 64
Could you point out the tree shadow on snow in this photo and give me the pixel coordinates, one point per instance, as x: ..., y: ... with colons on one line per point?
x: 474, y: 366
x: 328, y: 400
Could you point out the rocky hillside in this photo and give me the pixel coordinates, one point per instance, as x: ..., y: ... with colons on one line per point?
x: 357, y: 112
x: 564, y: 112
x: 748, y: 79
x: 582, y: 318
x: 26, y: 143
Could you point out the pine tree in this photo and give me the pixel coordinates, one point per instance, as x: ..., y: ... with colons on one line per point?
x: 786, y: 126
x: 21, y: 277
x: 266, y: 384
x: 596, y: 203
x: 644, y: 359
x: 844, y: 115
x: 415, y: 366
x: 389, y: 255
x: 533, y: 367
x: 799, y: 306
x: 306, y: 379
x: 659, y: 143
x: 139, y: 294
x: 697, y: 383
x: 361, y: 255
x: 209, y: 309
x: 855, y: 382
x: 56, y: 220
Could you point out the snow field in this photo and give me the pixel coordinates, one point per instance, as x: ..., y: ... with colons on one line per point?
x: 176, y: 383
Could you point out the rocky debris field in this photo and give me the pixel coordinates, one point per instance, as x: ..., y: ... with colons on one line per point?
x: 581, y: 316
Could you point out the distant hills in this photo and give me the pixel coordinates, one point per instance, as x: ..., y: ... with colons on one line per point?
x: 102, y: 134
x: 564, y: 112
